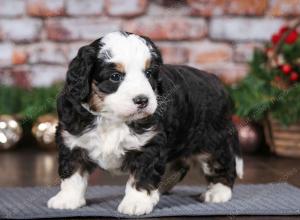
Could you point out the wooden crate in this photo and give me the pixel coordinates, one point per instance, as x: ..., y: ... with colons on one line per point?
x: 283, y: 140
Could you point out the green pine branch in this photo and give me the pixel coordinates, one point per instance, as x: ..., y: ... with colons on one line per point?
x: 28, y: 103
x: 255, y: 96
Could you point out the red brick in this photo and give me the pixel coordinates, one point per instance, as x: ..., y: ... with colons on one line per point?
x: 207, y: 7
x: 79, y: 29
x: 19, y: 57
x: 243, y: 51
x: 20, y: 76
x: 86, y: 7
x: 173, y: 53
x: 231, y: 73
x: 221, y: 7
x: 20, y: 30
x: 209, y: 52
x: 10, y: 54
x: 12, y: 8
x: 128, y: 8
x: 228, y: 72
x: 168, y: 28
x: 17, y: 75
x: 243, y: 29
x: 246, y: 7
x: 45, y: 8
x: 33, y: 76
x: 49, y: 53
x: 284, y: 8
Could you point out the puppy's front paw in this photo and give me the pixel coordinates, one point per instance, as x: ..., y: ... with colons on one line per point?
x: 138, y: 202
x: 131, y: 206
x: 217, y: 193
x: 64, y: 200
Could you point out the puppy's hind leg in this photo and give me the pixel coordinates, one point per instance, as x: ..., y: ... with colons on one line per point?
x: 175, y: 172
x: 221, y: 168
x: 220, y: 178
x: 73, y: 171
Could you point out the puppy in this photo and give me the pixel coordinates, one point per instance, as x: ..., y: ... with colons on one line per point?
x: 125, y: 111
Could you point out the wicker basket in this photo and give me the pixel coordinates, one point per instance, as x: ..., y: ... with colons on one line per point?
x: 283, y: 140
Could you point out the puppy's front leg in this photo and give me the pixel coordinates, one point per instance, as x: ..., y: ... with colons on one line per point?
x: 138, y: 201
x: 147, y: 168
x: 74, y: 168
x: 71, y: 194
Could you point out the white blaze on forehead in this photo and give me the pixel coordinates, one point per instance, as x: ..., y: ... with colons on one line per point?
x: 129, y: 50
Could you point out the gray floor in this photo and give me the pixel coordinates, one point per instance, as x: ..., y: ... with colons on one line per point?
x: 38, y: 168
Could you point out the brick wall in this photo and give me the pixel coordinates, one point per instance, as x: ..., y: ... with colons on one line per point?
x: 39, y: 37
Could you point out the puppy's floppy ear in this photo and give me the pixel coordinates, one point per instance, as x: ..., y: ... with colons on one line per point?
x: 79, y: 73
x: 155, y: 52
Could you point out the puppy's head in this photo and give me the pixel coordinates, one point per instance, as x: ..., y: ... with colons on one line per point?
x: 116, y: 76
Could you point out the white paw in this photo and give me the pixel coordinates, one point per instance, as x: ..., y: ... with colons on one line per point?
x: 138, y: 202
x: 65, y: 200
x: 131, y: 206
x: 217, y: 193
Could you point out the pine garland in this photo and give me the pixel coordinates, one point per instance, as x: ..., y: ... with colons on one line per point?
x: 28, y: 104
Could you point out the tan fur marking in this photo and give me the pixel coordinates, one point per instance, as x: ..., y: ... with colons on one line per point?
x: 96, y: 99
x: 147, y: 64
x: 120, y: 67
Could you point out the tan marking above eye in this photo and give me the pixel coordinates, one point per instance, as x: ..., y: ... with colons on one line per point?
x: 147, y: 63
x: 120, y: 67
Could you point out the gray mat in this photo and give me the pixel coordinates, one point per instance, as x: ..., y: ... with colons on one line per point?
x: 269, y: 199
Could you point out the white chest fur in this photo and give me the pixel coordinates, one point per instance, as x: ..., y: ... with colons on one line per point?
x: 107, y: 142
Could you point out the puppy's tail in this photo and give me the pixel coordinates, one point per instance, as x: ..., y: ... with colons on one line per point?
x: 239, y: 167
x: 235, y: 146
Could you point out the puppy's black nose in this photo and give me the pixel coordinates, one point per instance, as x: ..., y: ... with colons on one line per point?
x: 141, y: 101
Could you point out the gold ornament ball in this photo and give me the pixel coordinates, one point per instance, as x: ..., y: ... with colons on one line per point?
x: 249, y: 138
x: 44, y: 131
x: 249, y: 133
x: 10, y: 132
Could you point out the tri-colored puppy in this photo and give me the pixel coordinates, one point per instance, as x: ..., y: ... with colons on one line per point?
x: 125, y: 111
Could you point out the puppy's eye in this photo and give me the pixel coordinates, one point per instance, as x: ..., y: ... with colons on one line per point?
x: 116, y: 77
x: 149, y: 73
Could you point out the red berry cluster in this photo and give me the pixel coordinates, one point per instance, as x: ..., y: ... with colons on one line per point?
x: 285, y: 68
x: 290, y: 39
x: 288, y: 70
